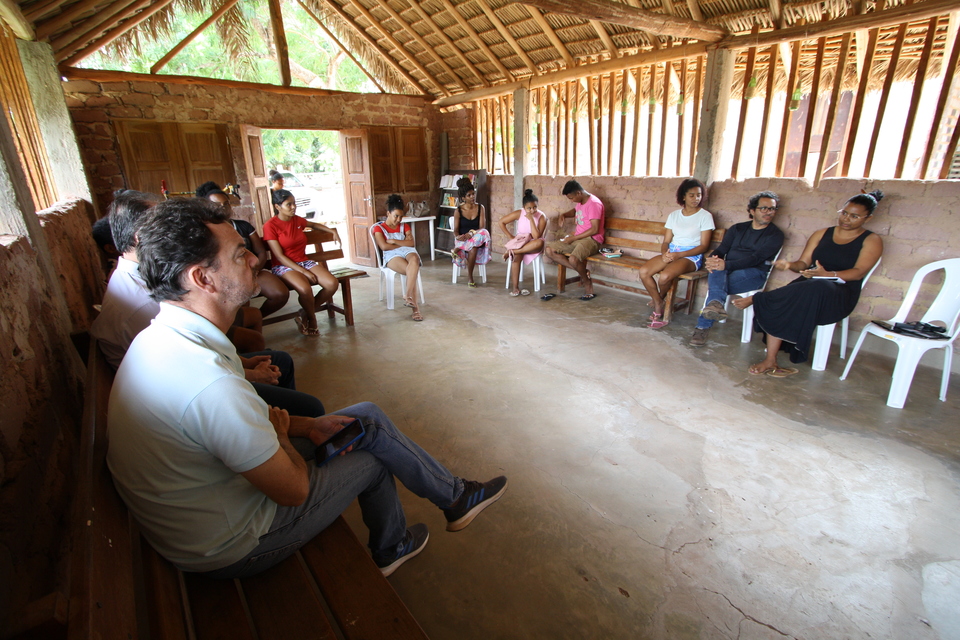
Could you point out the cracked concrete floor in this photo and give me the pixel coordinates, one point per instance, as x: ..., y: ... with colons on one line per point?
x: 656, y: 491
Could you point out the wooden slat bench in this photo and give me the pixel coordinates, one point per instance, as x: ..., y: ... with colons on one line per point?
x: 122, y: 589
x: 343, y: 275
x: 614, y: 228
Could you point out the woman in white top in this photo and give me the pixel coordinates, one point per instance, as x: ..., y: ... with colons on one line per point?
x: 686, y: 239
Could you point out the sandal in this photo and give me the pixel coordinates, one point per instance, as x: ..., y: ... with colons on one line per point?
x: 548, y: 296
x: 514, y: 294
x: 408, y: 302
x: 305, y: 330
x: 416, y: 316
x: 754, y: 371
x: 588, y: 296
x: 782, y: 372
x: 655, y: 316
x: 657, y: 324
x: 472, y: 285
x: 524, y: 292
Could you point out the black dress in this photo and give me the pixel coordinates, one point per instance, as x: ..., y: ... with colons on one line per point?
x: 793, y: 312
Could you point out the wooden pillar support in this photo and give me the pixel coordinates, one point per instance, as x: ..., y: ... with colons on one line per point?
x: 718, y: 78
x: 521, y: 127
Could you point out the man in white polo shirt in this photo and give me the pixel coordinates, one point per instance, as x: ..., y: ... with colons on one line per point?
x: 220, y: 482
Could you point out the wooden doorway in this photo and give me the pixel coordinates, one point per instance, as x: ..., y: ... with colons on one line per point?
x: 358, y: 194
x: 256, y: 162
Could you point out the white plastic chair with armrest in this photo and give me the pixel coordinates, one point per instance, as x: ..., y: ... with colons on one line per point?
x: 387, y: 274
x: 945, y: 309
x: 746, y: 332
x: 824, y: 337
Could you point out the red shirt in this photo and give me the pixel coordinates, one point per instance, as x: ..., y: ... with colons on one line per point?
x: 289, y: 234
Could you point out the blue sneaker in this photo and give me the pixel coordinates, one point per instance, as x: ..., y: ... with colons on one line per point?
x: 475, y: 498
x: 413, y: 544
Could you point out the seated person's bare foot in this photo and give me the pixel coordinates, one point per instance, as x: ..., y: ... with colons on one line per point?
x: 743, y: 303
x: 761, y: 368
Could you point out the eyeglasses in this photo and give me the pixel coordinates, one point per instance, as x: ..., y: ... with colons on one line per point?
x: 846, y: 214
x: 766, y: 209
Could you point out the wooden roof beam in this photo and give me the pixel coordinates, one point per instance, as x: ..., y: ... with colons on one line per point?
x: 853, y: 22
x: 10, y: 13
x: 111, y: 35
x: 51, y: 25
x: 695, y: 12
x: 336, y: 40
x: 552, y: 36
x: 80, y: 34
x: 577, y: 73
x: 605, y: 38
x: 428, y: 19
x: 398, y: 46
x: 465, y: 25
x: 280, y: 41
x: 347, y: 18
x: 39, y: 9
x: 180, y: 46
x: 502, y: 28
x: 619, y: 13
x: 413, y: 32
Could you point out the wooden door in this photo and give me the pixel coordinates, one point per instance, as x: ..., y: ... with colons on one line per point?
x: 151, y: 154
x: 412, y: 157
x: 383, y: 162
x: 207, y: 153
x: 358, y: 198
x: 256, y: 162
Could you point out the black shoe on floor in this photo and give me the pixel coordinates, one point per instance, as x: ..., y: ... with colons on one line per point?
x: 413, y: 544
x: 475, y: 498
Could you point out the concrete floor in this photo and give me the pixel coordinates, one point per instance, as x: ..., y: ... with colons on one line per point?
x: 656, y: 491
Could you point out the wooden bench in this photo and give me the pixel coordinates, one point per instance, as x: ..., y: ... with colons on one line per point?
x: 120, y: 588
x: 614, y: 228
x: 343, y: 275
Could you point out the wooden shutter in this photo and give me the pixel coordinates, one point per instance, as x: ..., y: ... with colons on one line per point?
x: 383, y: 165
x: 412, y: 154
x: 152, y: 153
x: 206, y: 153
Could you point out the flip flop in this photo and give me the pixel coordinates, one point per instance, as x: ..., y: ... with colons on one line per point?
x: 472, y: 285
x: 416, y: 316
x: 655, y: 316
x: 514, y: 294
x: 782, y: 372
x: 588, y: 296
x: 657, y: 324
x: 548, y: 296
x: 407, y: 303
x: 305, y: 330
x: 524, y: 292
x: 758, y: 372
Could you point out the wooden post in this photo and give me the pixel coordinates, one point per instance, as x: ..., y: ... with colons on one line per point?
x: 521, y: 125
x: 812, y: 107
x: 566, y: 129
x: 716, y: 97
x: 695, y: 119
x: 636, y: 120
x: 834, y: 107
x: 593, y: 164
x: 611, y: 119
x: 623, y: 118
x: 949, y: 72
x: 858, y: 100
x: 664, y: 114
x: 333, y: 37
x: 884, y: 96
x: 792, y: 86
x: 744, y: 106
x: 280, y: 40
x: 599, y: 124
x: 915, y: 97
x: 651, y: 114
x: 767, y: 106
x: 548, y: 112
x: 576, y: 125
x: 680, y: 114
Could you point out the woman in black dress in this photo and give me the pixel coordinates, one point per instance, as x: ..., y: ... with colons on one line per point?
x: 831, y: 269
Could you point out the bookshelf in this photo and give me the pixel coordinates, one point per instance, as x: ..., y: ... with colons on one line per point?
x: 448, y: 204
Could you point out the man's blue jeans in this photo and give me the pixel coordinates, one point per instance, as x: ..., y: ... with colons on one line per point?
x: 367, y: 474
x: 721, y: 284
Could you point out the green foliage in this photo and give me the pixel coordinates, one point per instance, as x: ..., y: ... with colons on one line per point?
x: 208, y: 55
x: 302, y: 151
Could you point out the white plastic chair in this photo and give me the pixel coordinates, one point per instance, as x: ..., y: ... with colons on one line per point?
x: 387, y: 274
x: 945, y: 309
x: 824, y: 338
x: 746, y: 332
x: 538, y: 272
x: 482, y: 270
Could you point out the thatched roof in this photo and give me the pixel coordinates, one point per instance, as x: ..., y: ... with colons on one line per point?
x: 448, y: 47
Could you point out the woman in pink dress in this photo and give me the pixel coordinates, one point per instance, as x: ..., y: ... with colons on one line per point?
x: 527, y: 243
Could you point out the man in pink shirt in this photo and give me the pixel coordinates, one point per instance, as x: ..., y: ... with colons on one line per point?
x: 572, y: 251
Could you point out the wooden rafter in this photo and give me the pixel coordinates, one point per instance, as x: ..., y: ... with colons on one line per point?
x: 170, y: 55
x: 280, y: 41
x: 619, y: 13
x: 11, y: 14
x: 605, y: 38
x: 111, y: 35
x: 80, y: 34
x: 465, y: 25
x: 492, y: 16
x: 397, y: 45
x: 920, y: 76
x: 429, y: 21
x: 39, y: 9
x: 336, y: 41
x: 695, y: 12
x: 348, y: 19
x: 51, y: 25
x: 551, y: 35
x: 413, y: 32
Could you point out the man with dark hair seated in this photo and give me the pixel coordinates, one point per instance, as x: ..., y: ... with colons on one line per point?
x: 218, y: 481
x: 128, y: 309
x: 572, y: 251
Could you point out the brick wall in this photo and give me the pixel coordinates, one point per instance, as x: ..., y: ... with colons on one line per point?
x: 95, y: 105
x: 461, y: 144
x: 918, y: 221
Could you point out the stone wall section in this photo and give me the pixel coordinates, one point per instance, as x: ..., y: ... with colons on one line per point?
x: 919, y: 221
x: 461, y: 143
x: 94, y: 106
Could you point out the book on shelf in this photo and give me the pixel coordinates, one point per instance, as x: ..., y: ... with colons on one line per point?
x: 449, y: 181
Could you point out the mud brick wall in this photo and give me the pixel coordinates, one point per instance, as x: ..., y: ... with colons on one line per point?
x: 461, y: 143
x: 94, y: 106
x: 919, y: 221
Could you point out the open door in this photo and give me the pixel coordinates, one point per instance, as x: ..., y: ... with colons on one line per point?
x: 358, y: 194
x: 256, y: 163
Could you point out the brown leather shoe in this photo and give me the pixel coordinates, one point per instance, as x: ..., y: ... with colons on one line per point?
x: 699, y: 337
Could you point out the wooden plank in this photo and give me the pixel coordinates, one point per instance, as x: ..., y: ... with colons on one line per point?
x: 680, y: 118
x: 664, y: 115
x: 539, y: 112
x: 695, y: 121
x: 50, y: 26
x: 623, y: 118
x: 495, y: 19
x: 599, y: 134
x: 885, y: 95
x: 834, y: 107
x: 428, y: 20
x: 280, y: 41
x: 611, y: 119
x: 576, y: 124
x: 551, y: 36
x: 651, y: 113
x: 226, y: 6
x: 605, y: 38
x: 744, y: 107
x: 918, y: 80
x: 767, y: 107
x: 492, y: 136
x: 475, y: 39
x: 339, y: 44
x: 636, y: 120
x: 590, y: 113
x: 629, y: 243
x: 45, y: 617
x: 276, y: 615
x: 566, y: 129
x: 858, y: 100
x: 335, y: 558
x: 37, y: 10
x: 12, y: 16
x: 504, y: 136
x: 81, y: 33
x: 650, y: 227
x: 508, y: 128
x: 556, y: 131
x: 792, y: 86
x: 949, y: 73
x: 164, y: 596
x: 217, y: 609
x: 128, y: 24
x: 812, y: 104
x: 624, y: 14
